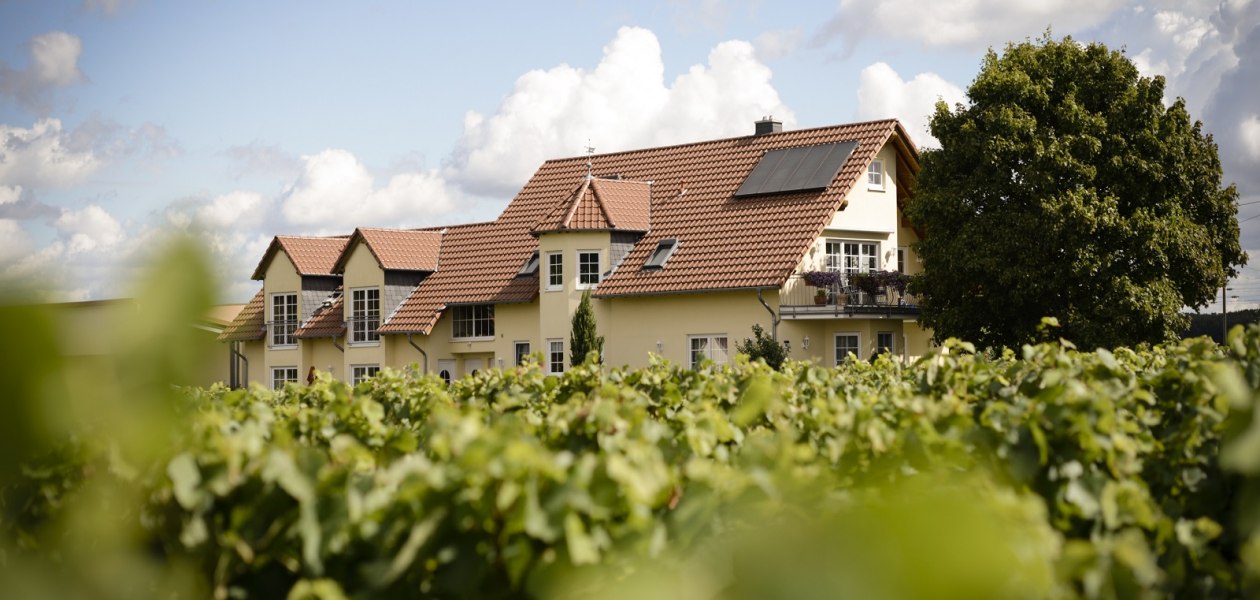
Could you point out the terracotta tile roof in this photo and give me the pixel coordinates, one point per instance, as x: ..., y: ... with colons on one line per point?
x: 601, y: 205
x: 248, y: 324
x: 311, y: 255
x: 325, y: 322
x: 724, y: 243
x: 479, y: 262
x: 628, y: 203
x: 396, y: 249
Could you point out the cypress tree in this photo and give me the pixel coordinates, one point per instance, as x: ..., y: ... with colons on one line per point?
x: 583, y: 338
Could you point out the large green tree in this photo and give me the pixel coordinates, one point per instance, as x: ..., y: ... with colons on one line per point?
x: 1066, y: 188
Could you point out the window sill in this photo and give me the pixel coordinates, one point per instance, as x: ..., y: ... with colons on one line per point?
x: 873, y: 188
x: 555, y: 289
x: 473, y: 339
x: 364, y: 344
x: 282, y: 347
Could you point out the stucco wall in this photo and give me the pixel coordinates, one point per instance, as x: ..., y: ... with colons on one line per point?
x: 362, y: 271
x: 556, y: 307
x: 281, y: 277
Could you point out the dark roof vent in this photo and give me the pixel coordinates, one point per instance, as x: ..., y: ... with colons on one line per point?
x: 768, y: 125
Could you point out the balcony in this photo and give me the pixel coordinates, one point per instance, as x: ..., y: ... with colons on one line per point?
x: 280, y: 334
x: 799, y: 300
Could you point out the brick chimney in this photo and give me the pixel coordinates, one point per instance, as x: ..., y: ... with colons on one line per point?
x: 767, y: 125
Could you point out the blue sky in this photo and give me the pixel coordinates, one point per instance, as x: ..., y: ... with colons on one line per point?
x: 121, y: 120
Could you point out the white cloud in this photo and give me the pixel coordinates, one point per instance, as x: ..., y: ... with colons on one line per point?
x: 14, y: 243
x: 961, y: 23
x: 622, y: 103
x: 778, y: 43
x: 41, y: 156
x: 882, y: 93
x: 235, y: 209
x: 53, y: 62
x: 55, y: 58
x: 89, y: 229
x: 1249, y: 132
x: 337, y: 191
x: 10, y: 194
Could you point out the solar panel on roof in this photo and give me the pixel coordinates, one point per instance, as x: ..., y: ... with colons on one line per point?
x: 796, y: 169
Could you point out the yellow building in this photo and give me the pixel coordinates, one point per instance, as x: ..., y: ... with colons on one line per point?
x: 683, y: 248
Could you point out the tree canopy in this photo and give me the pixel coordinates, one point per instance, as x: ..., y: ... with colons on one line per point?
x: 1066, y: 188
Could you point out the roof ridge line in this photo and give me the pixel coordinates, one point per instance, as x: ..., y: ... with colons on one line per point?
x: 725, y: 139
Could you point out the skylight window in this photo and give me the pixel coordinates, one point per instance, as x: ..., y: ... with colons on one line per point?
x: 663, y: 251
x: 796, y: 169
x: 530, y: 267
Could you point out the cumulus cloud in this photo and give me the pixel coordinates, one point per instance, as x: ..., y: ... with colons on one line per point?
x: 1249, y: 131
x: 89, y: 229
x: 959, y: 23
x: 53, y: 62
x: 10, y: 194
x: 14, y: 243
x: 882, y: 93
x: 337, y: 191
x: 41, y: 156
x: 778, y: 43
x: 622, y: 103
x: 109, y: 7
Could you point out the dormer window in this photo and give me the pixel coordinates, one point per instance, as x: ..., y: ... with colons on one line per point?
x: 663, y: 251
x: 875, y: 175
x: 530, y: 267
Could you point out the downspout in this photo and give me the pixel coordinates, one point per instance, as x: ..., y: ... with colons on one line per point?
x: 774, y: 318
x: 425, y: 369
x: 338, y: 346
x: 237, y: 352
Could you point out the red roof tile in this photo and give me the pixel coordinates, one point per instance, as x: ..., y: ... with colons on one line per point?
x: 311, y: 255
x: 601, y: 205
x: 396, y: 249
x: 326, y: 321
x: 724, y: 242
x: 249, y: 323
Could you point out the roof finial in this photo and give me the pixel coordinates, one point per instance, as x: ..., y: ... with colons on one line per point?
x: 590, y: 151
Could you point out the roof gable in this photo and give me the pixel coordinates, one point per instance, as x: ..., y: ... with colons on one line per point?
x: 395, y: 249
x: 309, y: 255
x: 601, y: 204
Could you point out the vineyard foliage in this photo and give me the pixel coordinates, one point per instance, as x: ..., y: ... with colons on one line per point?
x: 1043, y: 473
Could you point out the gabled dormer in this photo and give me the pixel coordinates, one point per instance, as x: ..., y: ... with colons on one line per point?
x: 297, y: 276
x: 613, y: 212
x: 379, y: 269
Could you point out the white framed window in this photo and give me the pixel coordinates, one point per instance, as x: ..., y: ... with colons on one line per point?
x: 588, y: 269
x: 555, y: 271
x: 901, y: 259
x: 283, y: 375
x: 852, y: 256
x: 555, y: 356
x: 361, y: 373
x: 365, y: 315
x: 472, y: 321
x: 284, y: 319
x: 884, y: 342
x: 707, y: 347
x: 521, y: 351
x: 847, y: 343
x: 875, y: 175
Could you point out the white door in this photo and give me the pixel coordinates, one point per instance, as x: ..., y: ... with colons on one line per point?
x: 446, y: 369
x: 474, y: 365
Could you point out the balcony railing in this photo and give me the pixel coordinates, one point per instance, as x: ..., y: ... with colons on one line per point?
x: 280, y: 333
x: 362, y: 330
x: 800, y: 300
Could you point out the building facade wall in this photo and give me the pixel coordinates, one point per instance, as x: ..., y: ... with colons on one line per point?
x: 361, y: 271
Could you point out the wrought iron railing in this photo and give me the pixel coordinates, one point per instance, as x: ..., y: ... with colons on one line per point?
x: 843, y: 299
x: 280, y: 333
x: 363, y: 329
